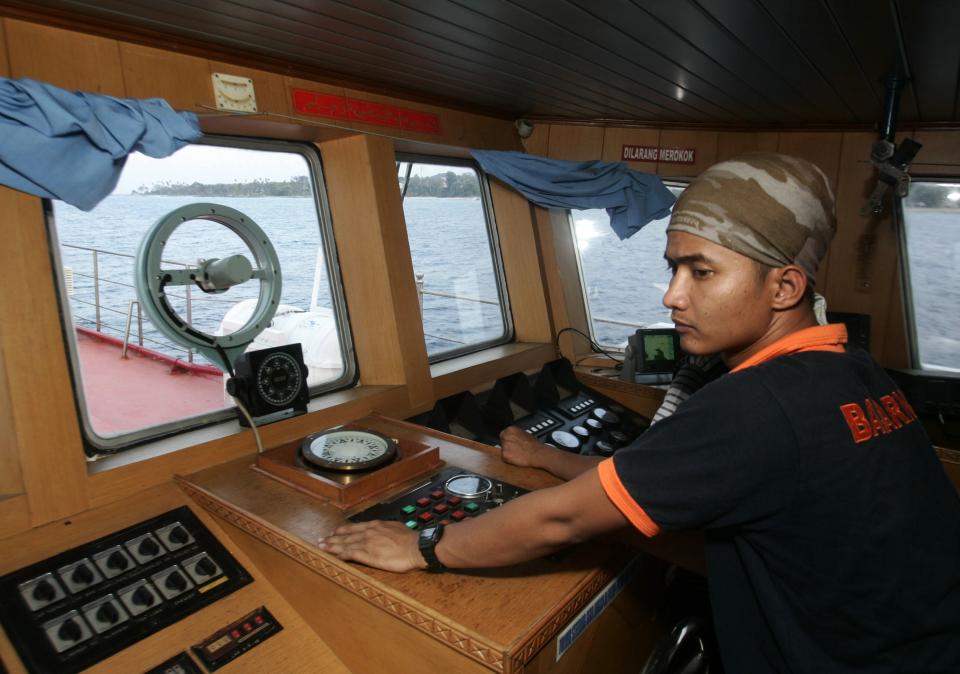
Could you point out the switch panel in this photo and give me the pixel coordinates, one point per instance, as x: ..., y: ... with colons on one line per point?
x: 66, y: 613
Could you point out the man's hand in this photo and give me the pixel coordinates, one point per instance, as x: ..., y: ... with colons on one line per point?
x: 519, y: 448
x: 385, y: 545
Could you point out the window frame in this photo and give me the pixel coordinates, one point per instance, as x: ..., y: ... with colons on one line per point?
x: 588, y: 315
x: 95, y: 445
x: 906, y: 282
x: 493, y: 242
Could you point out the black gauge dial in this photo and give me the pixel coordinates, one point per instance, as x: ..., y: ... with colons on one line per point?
x: 347, y: 450
x: 279, y: 379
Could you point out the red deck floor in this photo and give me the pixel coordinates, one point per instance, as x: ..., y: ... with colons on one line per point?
x: 143, y: 389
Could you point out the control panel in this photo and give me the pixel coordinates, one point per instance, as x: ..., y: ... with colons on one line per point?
x: 452, y: 495
x: 552, y: 405
x: 70, y: 611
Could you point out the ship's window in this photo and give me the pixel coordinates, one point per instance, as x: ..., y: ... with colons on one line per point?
x: 623, y: 281
x: 931, y: 219
x: 158, y: 387
x: 456, y: 260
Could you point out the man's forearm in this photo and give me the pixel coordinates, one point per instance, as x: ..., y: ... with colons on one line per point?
x: 565, y: 465
x: 531, y: 526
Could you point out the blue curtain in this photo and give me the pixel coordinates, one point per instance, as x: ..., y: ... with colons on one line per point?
x: 73, y: 145
x: 631, y: 198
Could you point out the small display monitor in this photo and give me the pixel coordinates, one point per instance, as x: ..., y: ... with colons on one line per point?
x: 659, y: 350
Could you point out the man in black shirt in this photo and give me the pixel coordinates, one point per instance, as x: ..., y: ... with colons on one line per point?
x: 832, y: 532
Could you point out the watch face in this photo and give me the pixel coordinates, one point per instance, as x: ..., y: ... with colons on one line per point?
x: 347, y: 450
x: 278, y: 379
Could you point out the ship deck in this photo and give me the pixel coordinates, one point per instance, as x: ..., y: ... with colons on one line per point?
x: 144, y: 388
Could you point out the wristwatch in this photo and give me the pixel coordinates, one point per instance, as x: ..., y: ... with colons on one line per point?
x: 427, y: 543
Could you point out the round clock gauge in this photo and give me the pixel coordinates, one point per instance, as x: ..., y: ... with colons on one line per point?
x: 469, y: 487
x: 347, y: 450
x: 278, y: 379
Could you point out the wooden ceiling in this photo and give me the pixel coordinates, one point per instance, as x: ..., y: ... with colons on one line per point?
x: 749, y: 63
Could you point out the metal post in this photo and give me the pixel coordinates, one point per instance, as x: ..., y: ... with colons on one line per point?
x: 139, y: 325
x: 420, y: 293
x: 189, y: 320
x: 126, y: 330
x: 96, y: 287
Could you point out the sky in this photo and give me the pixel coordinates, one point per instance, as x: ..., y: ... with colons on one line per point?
x: 211, y: 164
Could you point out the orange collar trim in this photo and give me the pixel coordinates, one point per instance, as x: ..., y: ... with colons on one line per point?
x: 818, y: 338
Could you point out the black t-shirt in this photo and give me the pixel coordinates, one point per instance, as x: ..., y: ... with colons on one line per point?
x: 833, y: 533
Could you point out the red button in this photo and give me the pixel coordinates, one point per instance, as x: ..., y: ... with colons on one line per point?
x: 424, y: 517
x: 457, y: 515
x: 454, y: 500
x: 247, y: 627
x: 423, y: 502
x: 436, y: 494
x: 258, y: 619
x: 440, y: 508
x: 235, y: 634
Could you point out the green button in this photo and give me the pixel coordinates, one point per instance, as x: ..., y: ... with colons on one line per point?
x: 408, y: 509
x: 410, y: 524
x: 471, y: 507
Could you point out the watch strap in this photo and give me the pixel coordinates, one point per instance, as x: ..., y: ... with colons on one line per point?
x: 427, y: 543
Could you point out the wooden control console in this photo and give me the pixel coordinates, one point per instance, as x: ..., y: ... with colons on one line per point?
x: 510, y: 620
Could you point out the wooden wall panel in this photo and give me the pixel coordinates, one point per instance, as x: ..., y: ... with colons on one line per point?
x: 867, y: 247
x: 46, y: 433
x: 940, y: 154
x: 4, y: 63
x: 821, y: 148
x: 539, y: 141
x: 732, y: 143
x: 183, y: 81
x: 10, y: 480
x: 66, y: 59
x: 576, y: 143
x: 521, y: 264
x: 614, y: 139
x: 376, y: 267
x: 705, y: 143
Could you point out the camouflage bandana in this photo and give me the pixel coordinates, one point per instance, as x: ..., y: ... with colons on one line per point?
x: 770, y: 207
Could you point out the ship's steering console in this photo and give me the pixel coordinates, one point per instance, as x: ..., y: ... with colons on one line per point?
x: 552, y: 405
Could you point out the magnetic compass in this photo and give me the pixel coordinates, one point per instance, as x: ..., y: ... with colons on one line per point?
x: 347, y: 450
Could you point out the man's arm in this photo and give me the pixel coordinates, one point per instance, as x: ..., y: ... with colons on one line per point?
x: 527, y: 527
x: 519, y: 448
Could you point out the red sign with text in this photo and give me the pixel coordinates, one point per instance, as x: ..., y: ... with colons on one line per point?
x: 663, y: 155
x: 315, y: 104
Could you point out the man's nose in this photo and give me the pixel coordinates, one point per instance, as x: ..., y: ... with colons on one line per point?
x: 676, y: 296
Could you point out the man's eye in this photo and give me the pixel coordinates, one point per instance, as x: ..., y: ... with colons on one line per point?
x: 702, y: 273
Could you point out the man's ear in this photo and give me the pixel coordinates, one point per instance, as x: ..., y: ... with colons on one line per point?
x: 791, y: 287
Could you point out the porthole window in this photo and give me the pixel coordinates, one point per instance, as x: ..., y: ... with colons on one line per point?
x: 133, y: 384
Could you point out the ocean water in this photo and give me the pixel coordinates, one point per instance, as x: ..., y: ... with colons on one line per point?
x: 624, y: 281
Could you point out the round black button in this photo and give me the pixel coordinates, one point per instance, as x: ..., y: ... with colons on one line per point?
x: 117, y: 561
x: 44, y: 591
x: 603, y: 448
x: 581, y: 432
x: 175, y: 582
x: 619, y: 438
x: 148, y: 548
x: 142, y: 597
x: 82, y: 575
x: 69, y: 630
x: 108, y: 613
x: 593, y: 425
x: 565, y: 440
x: 606, y: 417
